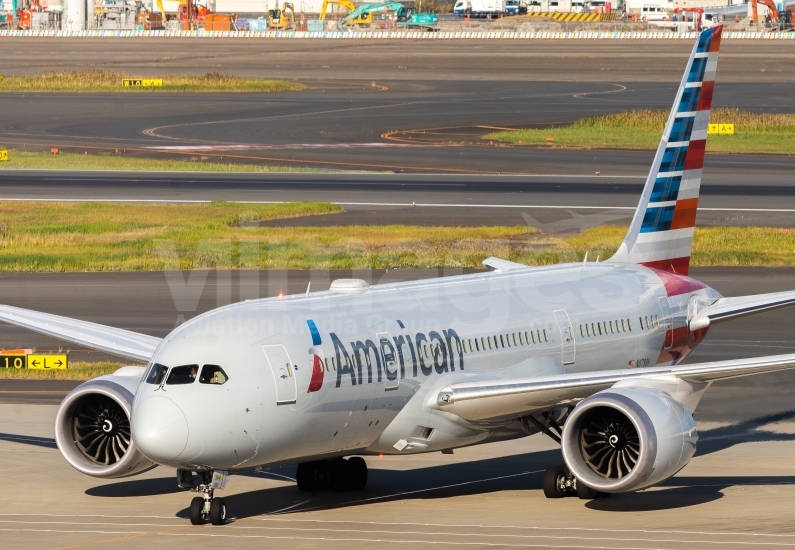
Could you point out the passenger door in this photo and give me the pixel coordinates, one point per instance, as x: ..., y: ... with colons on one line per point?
x: 283, y: 373
x: 567, y: 343
x: 666, y: 322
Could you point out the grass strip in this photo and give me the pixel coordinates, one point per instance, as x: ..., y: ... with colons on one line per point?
x: 641, y: 129
x: 109, y: 81
x: 79, y: 370
x: 133, y: 237
x: 24, y: 160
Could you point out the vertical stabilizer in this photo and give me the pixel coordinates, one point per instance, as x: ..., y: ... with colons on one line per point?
x: 661, y: 233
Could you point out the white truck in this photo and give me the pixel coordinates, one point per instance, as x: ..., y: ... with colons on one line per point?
x: 479, y: 8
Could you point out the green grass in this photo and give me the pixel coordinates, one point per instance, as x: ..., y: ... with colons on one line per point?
x: 754, y: 133
x: 131, y: 237
x: 24, y: 160
x: 109, y: 81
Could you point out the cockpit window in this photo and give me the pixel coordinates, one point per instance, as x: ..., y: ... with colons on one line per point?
x: 212, y: 374
x: 186, y: 374
x: 156, y: 374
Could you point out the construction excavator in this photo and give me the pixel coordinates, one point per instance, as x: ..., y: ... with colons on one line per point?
x: 282, y: 19
x: 404, y: 17
x: 363, y: 20
x: 781, y: 20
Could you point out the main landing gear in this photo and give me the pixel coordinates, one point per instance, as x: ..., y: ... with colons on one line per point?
x: 204, y: 507
x: 338, y: 474
x: 559, y: 482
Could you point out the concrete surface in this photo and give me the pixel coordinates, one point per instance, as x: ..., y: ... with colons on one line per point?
x: 736, y: 493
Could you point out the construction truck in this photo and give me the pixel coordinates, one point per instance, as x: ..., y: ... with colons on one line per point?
x: 404, y: 17
x: 363, y: 20
x: 282, y: 19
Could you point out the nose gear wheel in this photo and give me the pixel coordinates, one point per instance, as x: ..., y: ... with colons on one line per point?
x: 610, y: 443
x: 101, y: 429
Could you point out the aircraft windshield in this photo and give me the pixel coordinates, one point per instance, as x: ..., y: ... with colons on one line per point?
x: 185, y: 374
x: 212, y: 374
x: 156, y: 374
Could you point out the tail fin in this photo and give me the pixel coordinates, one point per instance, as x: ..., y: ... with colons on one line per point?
x: 661, y: 233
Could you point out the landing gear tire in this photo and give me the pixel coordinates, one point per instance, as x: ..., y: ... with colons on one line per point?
x: 554, y: 477
x: 339, y: 474
x: 586, y: 493
x: 217, y: 511
x: 197, y: 511
x: 357, y: 473
x: 306, y: 476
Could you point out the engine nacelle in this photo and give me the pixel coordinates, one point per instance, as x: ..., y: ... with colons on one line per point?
x: 92, y: 427
x: 629, y: 438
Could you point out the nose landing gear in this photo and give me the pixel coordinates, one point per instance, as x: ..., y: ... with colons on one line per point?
x: 205, y: 507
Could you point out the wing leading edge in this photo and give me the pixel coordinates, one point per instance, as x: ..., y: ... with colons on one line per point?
x: 124, y: 343
x: 729, y: 308
x: 492, y: 399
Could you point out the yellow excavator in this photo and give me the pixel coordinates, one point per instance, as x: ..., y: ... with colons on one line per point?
x: 282, y: 19
x: 363, y: 20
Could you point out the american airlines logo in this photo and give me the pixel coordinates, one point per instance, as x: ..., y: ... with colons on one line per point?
x: 386, y: 358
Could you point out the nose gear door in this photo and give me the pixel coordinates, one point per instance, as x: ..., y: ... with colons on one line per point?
x: 389, y: 355
x: 283, y: 373
x: 567, y: 343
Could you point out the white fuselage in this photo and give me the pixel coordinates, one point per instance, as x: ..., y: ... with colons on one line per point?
x: 382, y: 350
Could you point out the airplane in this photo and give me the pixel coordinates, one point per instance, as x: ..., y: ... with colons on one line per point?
x: 587, y: 353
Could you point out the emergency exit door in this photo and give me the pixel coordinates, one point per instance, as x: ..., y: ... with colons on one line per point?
x: 567, y: 344
x: 283, y: 373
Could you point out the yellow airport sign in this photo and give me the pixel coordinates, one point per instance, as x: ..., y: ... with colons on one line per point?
x: 721, y: 129
x: 142, y: 82
x: 46, y: 362
x: 3, y: 155
x: 13, y: 361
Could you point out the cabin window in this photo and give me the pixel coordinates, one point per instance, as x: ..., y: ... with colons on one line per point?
x: 212, y: 374
x: 521, y: 339
x: 546, y: 339
x: 502, y: 341
x: 582, y: 331
x: 640, y: 319
x: 629, y: 324
x: 599, y: 326
x: 612, y: 330
x: 587, y: 330
x: 623, y: 326
x: 593, y: 329
x: 656, y: 321
x: 425, y: 347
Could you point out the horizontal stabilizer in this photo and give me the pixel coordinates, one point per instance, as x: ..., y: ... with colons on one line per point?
x: 125, y: 343
x: 493, y: 399
x: 728, y: 308
x: 498, y: 264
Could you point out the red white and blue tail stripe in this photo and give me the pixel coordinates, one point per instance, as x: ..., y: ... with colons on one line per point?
x: 661, y: 233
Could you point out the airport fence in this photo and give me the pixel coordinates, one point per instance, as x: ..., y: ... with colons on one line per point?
x: 399, y: 35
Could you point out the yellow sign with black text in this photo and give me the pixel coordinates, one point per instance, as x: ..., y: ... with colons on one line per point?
x: 13, y: 361
x: 721, y: 129
x: 142, y: 82
x: 46, y: 362
x: 3, y: 155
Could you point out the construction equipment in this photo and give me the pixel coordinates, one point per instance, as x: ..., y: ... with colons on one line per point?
x: 363, y: 20
x: 777, y: 19
x: 405, y: 17
x: 282, y: 19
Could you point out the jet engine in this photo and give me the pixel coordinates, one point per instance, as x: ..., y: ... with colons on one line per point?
x: 92, y: 427
x: 628, y: 438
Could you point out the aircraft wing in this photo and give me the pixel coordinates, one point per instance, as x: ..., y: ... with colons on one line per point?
x: 728, y: 308
x: 491, y: 399
x: 117, y: 341
x: 498, y: 264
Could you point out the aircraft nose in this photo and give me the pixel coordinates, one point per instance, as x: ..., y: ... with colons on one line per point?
x: 159, y: 428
